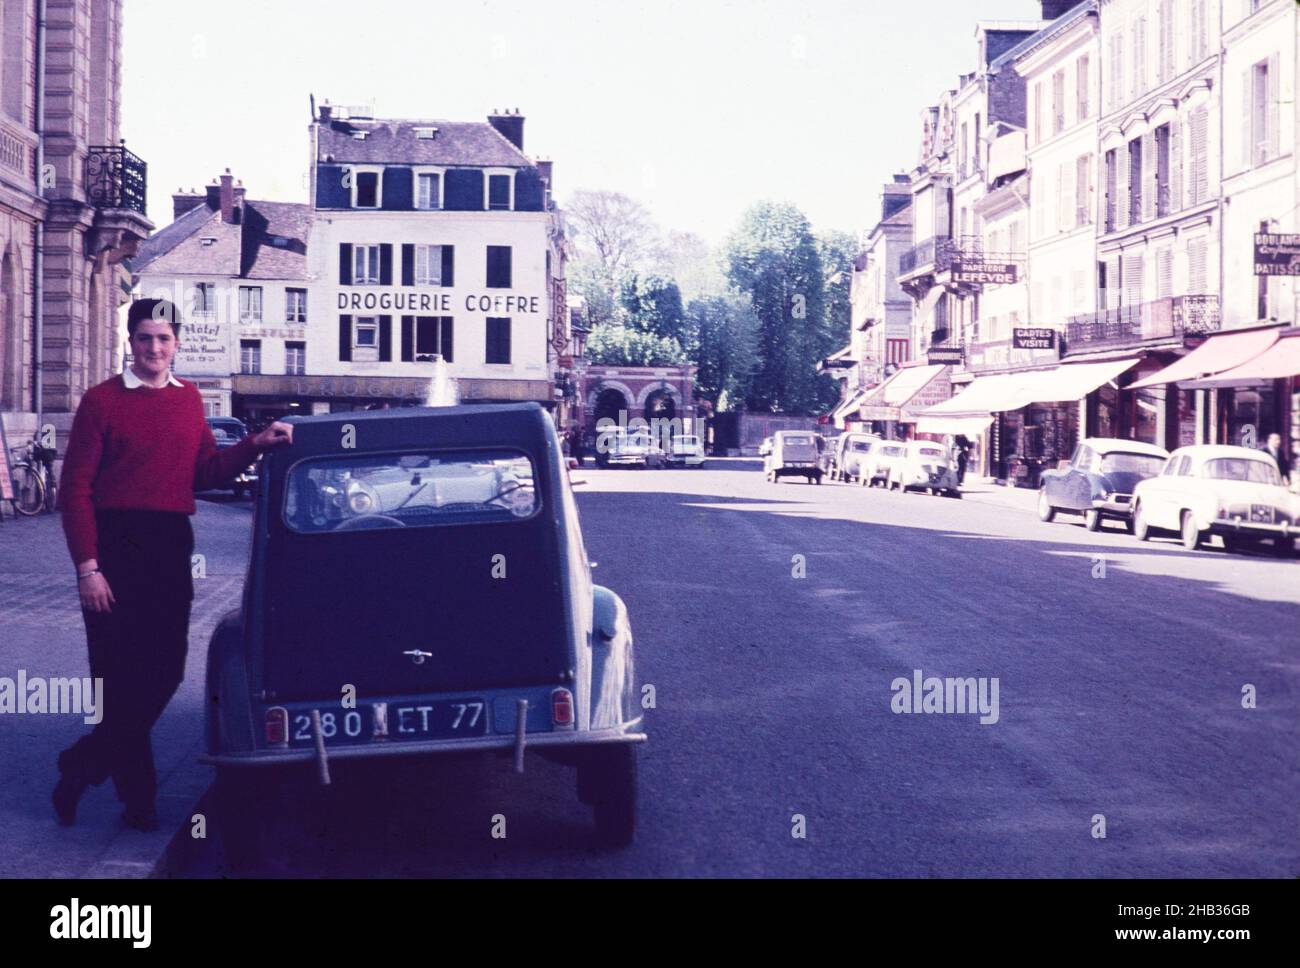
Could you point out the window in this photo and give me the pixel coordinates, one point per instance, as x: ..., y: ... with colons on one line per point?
x: 295, y: 305
x: 365, y: 265
x: 1083, y: 190
x: 1081, y: 88
x: 250, y: 304
x: 498, y: 266
x: 365, y: 189
x: 365, y: 338
x: 1112, y: 189
x: 1134, y: 280
x: 250, y: 356
x: 498, y: 340
x: 428, y: 190
x: 428, y: 265
x: 1260, y: 114
x: 499, y: 190
x: 1165, y: 63
x: 1163, y: 206
x: 1197, y: 275
x: 1058, y: 102
x: 1165, y: 273
x: 976, y: 165
x: 1038, y: 112
x: 1200, y: 42
x: 1139, y: 56
x: 1198, y: 180
x: 1135, y: 181
x: 1116, y: 96
x: 425, y: 134
x: 433, y: 334
x: 295, y: 358
x: 205, y: 299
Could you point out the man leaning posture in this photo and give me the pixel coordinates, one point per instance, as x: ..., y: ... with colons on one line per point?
x: 139, y: 449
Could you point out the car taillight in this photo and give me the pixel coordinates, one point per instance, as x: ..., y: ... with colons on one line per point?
x: 562, y: 707
x: 277, y: 726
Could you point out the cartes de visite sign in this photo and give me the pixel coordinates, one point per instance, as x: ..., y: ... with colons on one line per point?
x: 1033, y: 338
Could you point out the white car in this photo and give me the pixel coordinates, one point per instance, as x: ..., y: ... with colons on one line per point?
x: 1234, y: 492
x: 616, y: 447
x: 686, y: 450
x: 851, y: 454
x: 925, y: 466
x: 880, y: 461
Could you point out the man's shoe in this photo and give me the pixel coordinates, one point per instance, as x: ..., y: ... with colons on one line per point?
x: 141, y: 818
x: 66, y: 794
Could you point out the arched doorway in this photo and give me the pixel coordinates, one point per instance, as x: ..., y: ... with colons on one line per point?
x: 611, y: 405
x: 660, y: 405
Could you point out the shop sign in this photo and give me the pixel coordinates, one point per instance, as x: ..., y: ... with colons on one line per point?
x: 1033, y: 338
x: 1276, y: 254
x: 945, y: 355
x: 985, y: 273
x: 879, y: 413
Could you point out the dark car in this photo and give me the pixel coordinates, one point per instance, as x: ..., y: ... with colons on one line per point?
x: 426, y: 564
x: 229, y: 431
x: 1098, y: 481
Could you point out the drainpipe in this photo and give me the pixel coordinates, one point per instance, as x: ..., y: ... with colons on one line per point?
x: 38, y: 263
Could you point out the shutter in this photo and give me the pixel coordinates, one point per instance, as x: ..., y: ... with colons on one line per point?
x: 1175, y: 166
x: 447, y: 329
x: 330, y: 190
x: 529, y: 191
x: 408, y: 339
x: 398, y: 194
x: 345, y: 338
x: 385, y: 339
x: 1274, y: 113
x: 345, y: 263
x: 1165, y: 273
x: 408, y: 264
x: 386, y: 264
x: 1247, y: 116
x: 1121, y: 186
x: 1196, y: 274
x: 448, y: 264
x: 504, y: 328
x: 1148, y: 176
x: 463, y: 190
x: 1199, y: 149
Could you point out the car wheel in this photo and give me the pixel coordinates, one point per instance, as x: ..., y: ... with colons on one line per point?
x: 1128, y: 524
x: 955, y: 493
x: 1191, y: 533
x: 1138, y: 524
x: 1092, y: 519
x: 1284, y: 547
x: 1045, y: 510
x: 607, y: 781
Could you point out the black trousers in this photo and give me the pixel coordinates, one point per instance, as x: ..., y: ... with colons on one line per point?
x: 138, y: 647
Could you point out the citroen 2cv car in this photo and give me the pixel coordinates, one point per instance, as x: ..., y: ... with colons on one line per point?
x: 794, y: 453
x: 417, y: 586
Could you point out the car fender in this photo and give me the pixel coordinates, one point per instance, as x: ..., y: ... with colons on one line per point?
x: 228, y: 717
x: 613, y: 670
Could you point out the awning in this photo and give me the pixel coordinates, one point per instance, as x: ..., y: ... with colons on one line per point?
x: 1279, y: 361
x: 849, y: 405
x: 888, y: 399
x: 1011, y: 391
x: 969, y: 426
x: 1223, y: 351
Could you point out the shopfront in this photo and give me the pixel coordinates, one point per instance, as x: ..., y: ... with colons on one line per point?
x: 891, y: 408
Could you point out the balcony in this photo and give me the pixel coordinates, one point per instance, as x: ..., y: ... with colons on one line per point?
x: 115, y: 178
x: 1177, y: 316
x: 934, y: 253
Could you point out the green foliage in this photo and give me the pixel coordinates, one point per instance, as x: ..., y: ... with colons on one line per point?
x: 653, y: 304
x: 615, y: 345
x: 726, y: 348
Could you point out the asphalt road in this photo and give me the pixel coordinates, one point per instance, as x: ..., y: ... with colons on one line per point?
x: 1120, y: 670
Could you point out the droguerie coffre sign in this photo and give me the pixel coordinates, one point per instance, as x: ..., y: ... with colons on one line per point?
x: 1277, y: 254
x: 440, y: 303
x: 1033, y: 338
x: 984, y: 273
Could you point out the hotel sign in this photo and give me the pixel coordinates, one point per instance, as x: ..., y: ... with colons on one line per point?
x: 1276, y: 254
x: 985, y: 273
x: 1033, y: 338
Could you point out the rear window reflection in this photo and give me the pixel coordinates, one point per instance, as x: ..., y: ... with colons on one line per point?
x: 372, y: 491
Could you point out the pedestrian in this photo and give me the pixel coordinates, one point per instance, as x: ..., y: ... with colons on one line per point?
x: 575, y: 445
x: 963, y: 456
x: 139, y: 449
x: 1273, y: 447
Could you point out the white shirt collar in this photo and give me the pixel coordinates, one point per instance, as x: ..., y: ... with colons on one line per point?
x: 132, y: 381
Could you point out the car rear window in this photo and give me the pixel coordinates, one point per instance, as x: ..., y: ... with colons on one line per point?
x: 1243, y: 469
x: 797, y: 441
x: 425, y: 489
x: 930, y: 452
x: 1144, y: 465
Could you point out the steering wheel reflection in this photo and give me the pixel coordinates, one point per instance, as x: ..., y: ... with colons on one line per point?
x: 369, y: 522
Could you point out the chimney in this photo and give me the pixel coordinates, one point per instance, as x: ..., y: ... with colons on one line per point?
x: 896, y: 196
x: 324, y: 111
x: 183, y: 201
x: 545, y: 169
x: 510, y: 125
x: 227, y: 197
x: 1054, y: 8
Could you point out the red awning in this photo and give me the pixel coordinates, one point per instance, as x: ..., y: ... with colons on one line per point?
x: 1279, y: 361
x: 1218, y: 353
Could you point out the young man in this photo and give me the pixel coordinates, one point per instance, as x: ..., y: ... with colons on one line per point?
x: 139, y: 449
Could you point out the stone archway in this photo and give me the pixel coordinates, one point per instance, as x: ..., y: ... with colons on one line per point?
x: 610, y: 403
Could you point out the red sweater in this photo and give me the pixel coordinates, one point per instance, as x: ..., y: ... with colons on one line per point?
x: 148, y: 448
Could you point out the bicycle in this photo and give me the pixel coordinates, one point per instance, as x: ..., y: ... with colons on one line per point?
x: 35, y: 488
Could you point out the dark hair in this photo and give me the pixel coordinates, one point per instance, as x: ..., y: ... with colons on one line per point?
x: 156, y: 309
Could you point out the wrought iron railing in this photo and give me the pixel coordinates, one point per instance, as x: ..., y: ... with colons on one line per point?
x: 935, y: 252
x: 115, y: 178
x: 1163, y: 318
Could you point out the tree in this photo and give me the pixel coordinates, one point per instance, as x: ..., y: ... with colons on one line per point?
x: 615, y: 345
x: 598, y: 287
x: 615, y: 230
x: 653, y: 304
x: 726, y: 348
x: 773, y: 258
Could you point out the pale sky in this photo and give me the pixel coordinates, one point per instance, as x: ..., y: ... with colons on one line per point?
x: 697, y: 108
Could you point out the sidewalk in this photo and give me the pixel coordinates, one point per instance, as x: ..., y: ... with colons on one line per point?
x: 984, y: 490
x: 41, y: 632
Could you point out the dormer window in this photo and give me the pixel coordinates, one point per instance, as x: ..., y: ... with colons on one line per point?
x: 366, y: 188
x: 425, y: 134
x: 360, y: 135
x: 428, y: 188
x: 208, y: 240
x: 500, y: 190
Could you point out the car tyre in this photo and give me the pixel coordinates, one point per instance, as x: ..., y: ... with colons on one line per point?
x: 1092, y: 519
x: 1045, y: 510
x: 1138, y: 524
x: 1190, y: 532
x: 1284, y: 547
x: 607, y: 780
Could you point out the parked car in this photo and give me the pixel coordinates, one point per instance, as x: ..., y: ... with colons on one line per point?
x: 794, y: 454
x: 1098, y: 481
x: 228, y: 431
x: 379, y: 572
x: 686, y: 450
x: 851, y: 451
x: 1234, y: 492
x: 616, y: 447
x: 879, y: 462
x: 924, y: 466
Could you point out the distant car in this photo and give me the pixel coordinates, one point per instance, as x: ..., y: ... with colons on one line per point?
x: 852, y: 451
x: 1099, y: 480
x: 880, y: 461
x: 925, y: 466
x: 617, y: 447
x: 228, y: 431
x: 686, y: 450
x: 1234, y: 492
x: 794, y: 454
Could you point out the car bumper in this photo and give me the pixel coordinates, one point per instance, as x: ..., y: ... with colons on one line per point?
x: 1255, y: 529
x: 375, y: 750
x: 1114, y: 506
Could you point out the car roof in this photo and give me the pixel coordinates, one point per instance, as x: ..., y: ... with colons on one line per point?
x: 1211, y: 451
x: 1106, y: 445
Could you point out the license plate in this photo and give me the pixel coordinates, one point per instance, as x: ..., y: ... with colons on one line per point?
x: 1261, y: 513
x: 392, y: 721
